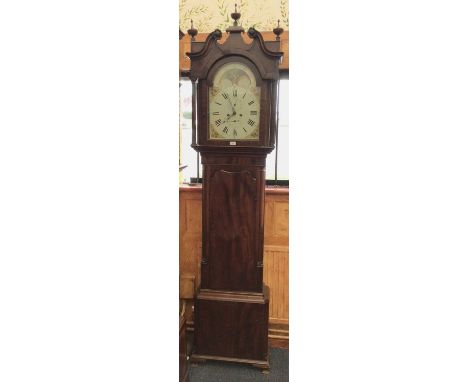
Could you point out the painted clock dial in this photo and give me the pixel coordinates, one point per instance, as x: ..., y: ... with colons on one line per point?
x: 234, y: 104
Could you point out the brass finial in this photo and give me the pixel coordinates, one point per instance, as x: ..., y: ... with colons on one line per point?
x: 235, y: 15
x: 192, y: 31
x: 277, y: 31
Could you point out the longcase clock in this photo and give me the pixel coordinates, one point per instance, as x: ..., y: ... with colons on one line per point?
x: 235, y: 92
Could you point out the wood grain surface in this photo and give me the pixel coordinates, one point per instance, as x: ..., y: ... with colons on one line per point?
x: 184, y: 47
x: 276, y: 253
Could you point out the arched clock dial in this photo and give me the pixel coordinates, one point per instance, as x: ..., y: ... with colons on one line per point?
x: 234, y: 104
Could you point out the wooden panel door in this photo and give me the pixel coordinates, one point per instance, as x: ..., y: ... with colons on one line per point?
x: 232, y: 238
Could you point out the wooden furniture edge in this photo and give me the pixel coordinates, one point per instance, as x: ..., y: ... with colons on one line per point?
x: 269, y: 190
x: 195, y: 358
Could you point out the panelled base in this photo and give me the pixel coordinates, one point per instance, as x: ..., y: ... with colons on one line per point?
x: 232, y: 326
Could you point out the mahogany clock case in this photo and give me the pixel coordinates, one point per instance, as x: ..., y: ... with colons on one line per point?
x: 233, y: 222
x: 232, y: 304
x: 232, y: 326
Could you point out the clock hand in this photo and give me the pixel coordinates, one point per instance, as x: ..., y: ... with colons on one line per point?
x: 226, y: 120
x: 232, y: 107
x: 234, y: 94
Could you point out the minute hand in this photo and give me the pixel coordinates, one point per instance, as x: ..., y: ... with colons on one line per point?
x: 232, y: 107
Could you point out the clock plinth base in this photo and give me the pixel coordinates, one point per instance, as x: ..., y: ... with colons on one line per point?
x: 232, y: 326
x: 197, y: 359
